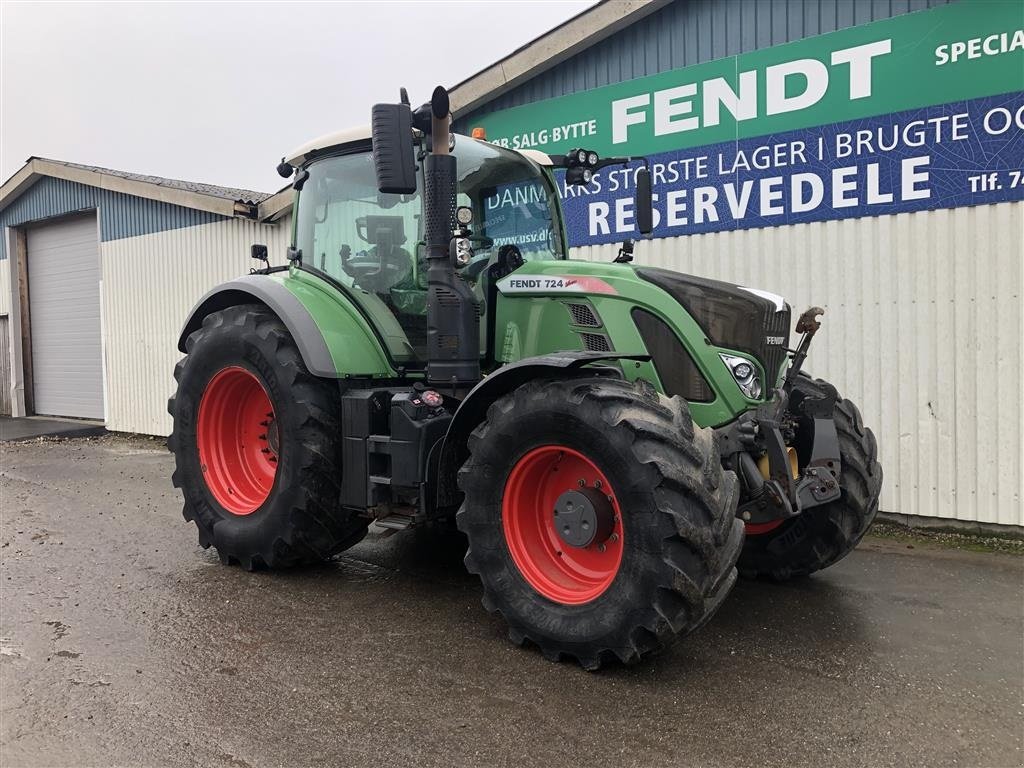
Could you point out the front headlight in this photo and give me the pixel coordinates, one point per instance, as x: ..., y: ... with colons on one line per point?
x: 745, y: 373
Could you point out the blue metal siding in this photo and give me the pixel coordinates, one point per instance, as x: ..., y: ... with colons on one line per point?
x: 120, y: 215
x: 689, y: 32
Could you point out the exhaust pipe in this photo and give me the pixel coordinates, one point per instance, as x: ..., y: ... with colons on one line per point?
x: 453, y: 323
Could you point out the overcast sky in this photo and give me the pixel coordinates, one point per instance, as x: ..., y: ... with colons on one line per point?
x: 218, y: 92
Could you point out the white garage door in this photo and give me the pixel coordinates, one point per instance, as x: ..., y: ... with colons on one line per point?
x: 64, y: 318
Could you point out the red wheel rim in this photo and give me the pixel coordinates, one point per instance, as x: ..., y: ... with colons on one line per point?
x: 562, y: 573
x: 756, y: 529
x: 237, y: 438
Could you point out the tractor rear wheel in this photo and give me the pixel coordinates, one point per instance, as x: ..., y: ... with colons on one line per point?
x: 822, y: 536
x: 256, y: 447
x: 599, y: 519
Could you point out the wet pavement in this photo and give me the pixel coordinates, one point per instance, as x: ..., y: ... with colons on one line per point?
x: 31, y: 427
x: 123, y: 643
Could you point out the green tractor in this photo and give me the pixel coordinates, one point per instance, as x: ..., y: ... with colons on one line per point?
x: 616, y: 442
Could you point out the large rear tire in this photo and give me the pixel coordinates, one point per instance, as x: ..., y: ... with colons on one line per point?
x: 822, y: 536
x: 256, y: 445
x: 665, y: 559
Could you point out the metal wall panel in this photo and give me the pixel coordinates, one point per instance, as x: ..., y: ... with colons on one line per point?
x: 923, y: 329
x: 150, y: 283
x: 690, y: 32
x: 5, y: 282
x: 120, y: 215
x: 6, y: 362
x: 5, y: 366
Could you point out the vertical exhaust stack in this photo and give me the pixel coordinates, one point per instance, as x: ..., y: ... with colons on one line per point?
x: 453, y: 324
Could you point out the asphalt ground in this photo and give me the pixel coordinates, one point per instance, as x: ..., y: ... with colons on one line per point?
x: 124, y: 643
x: 31, y: 427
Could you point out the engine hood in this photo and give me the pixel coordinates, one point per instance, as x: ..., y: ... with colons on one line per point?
x: 732, y: 316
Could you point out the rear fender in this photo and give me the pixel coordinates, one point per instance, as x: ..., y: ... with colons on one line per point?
x: 473, y: 409
x: 300, y: 322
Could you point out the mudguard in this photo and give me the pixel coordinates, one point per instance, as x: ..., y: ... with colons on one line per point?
x: 264, y: 290
x: 473, y: 408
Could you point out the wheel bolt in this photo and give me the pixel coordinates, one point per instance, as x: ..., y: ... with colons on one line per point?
x: 597, y: 483
x: 582, y: 483
x: 613, y: 537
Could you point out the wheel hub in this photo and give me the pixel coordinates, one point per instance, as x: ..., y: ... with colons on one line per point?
x: 562, y: 524
x: 583, y: 517
x: 273, y: 438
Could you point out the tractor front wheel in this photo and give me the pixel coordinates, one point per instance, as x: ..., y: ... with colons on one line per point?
x: 256, y: 446
x: 599, y: 519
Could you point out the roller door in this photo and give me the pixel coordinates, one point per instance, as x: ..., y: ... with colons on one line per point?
x: 64, y: 318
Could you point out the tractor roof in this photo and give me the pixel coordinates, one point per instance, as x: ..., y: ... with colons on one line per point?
x: 362, y: 134
x: 350, y: 136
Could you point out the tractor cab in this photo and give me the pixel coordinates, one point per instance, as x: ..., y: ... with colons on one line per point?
x: 373, y: 243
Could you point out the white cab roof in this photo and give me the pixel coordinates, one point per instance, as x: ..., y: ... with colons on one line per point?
x: 298, y: 156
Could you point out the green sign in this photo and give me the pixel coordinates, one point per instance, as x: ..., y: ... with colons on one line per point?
x: 963, y: 51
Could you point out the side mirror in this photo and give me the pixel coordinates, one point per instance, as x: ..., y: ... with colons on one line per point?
x: 259, y: 252
x: 394, y: 157
x: 644, y: 202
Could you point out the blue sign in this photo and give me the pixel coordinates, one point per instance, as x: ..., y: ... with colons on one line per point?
x: 945, y: 156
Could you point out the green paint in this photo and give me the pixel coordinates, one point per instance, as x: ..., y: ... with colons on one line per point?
x: 537, y: 324
x: 905, y: 77
x: 350, y: 339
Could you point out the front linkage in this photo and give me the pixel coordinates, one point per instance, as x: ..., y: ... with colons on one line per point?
x: 770, y: 430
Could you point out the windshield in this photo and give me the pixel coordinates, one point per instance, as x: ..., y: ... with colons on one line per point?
x: 373, y: 242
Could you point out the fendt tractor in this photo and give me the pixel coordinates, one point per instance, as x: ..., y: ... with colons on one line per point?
x: 616, y: 442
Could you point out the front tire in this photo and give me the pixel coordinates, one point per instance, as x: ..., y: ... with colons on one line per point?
x: 256, y: 446
x: 664, y: 558
x: 822, y: 536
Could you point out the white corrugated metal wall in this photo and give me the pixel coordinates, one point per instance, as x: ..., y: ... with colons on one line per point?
x: 6, y: 348
x: 5, y: 287
x: 923, y: 330
x: 150, y: 283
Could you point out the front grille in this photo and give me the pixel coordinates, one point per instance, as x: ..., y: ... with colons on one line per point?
x: 676, y: 369
x: 774, y: 355
x: 596, y: 342
x: 584, y: 315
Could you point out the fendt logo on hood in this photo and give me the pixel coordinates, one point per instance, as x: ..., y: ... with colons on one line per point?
x: 554, y: 284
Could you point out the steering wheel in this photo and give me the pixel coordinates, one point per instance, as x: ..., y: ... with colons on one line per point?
x: 372, y: 273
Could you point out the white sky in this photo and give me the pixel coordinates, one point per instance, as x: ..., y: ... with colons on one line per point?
x: 218, y: 92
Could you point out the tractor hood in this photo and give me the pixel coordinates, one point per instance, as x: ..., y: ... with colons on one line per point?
x: 745, y: 319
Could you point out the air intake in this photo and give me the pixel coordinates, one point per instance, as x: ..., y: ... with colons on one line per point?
x: 583, y: 315
x: 596, y: 342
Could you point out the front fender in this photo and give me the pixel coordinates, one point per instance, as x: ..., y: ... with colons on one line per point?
x: 473, y: 409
